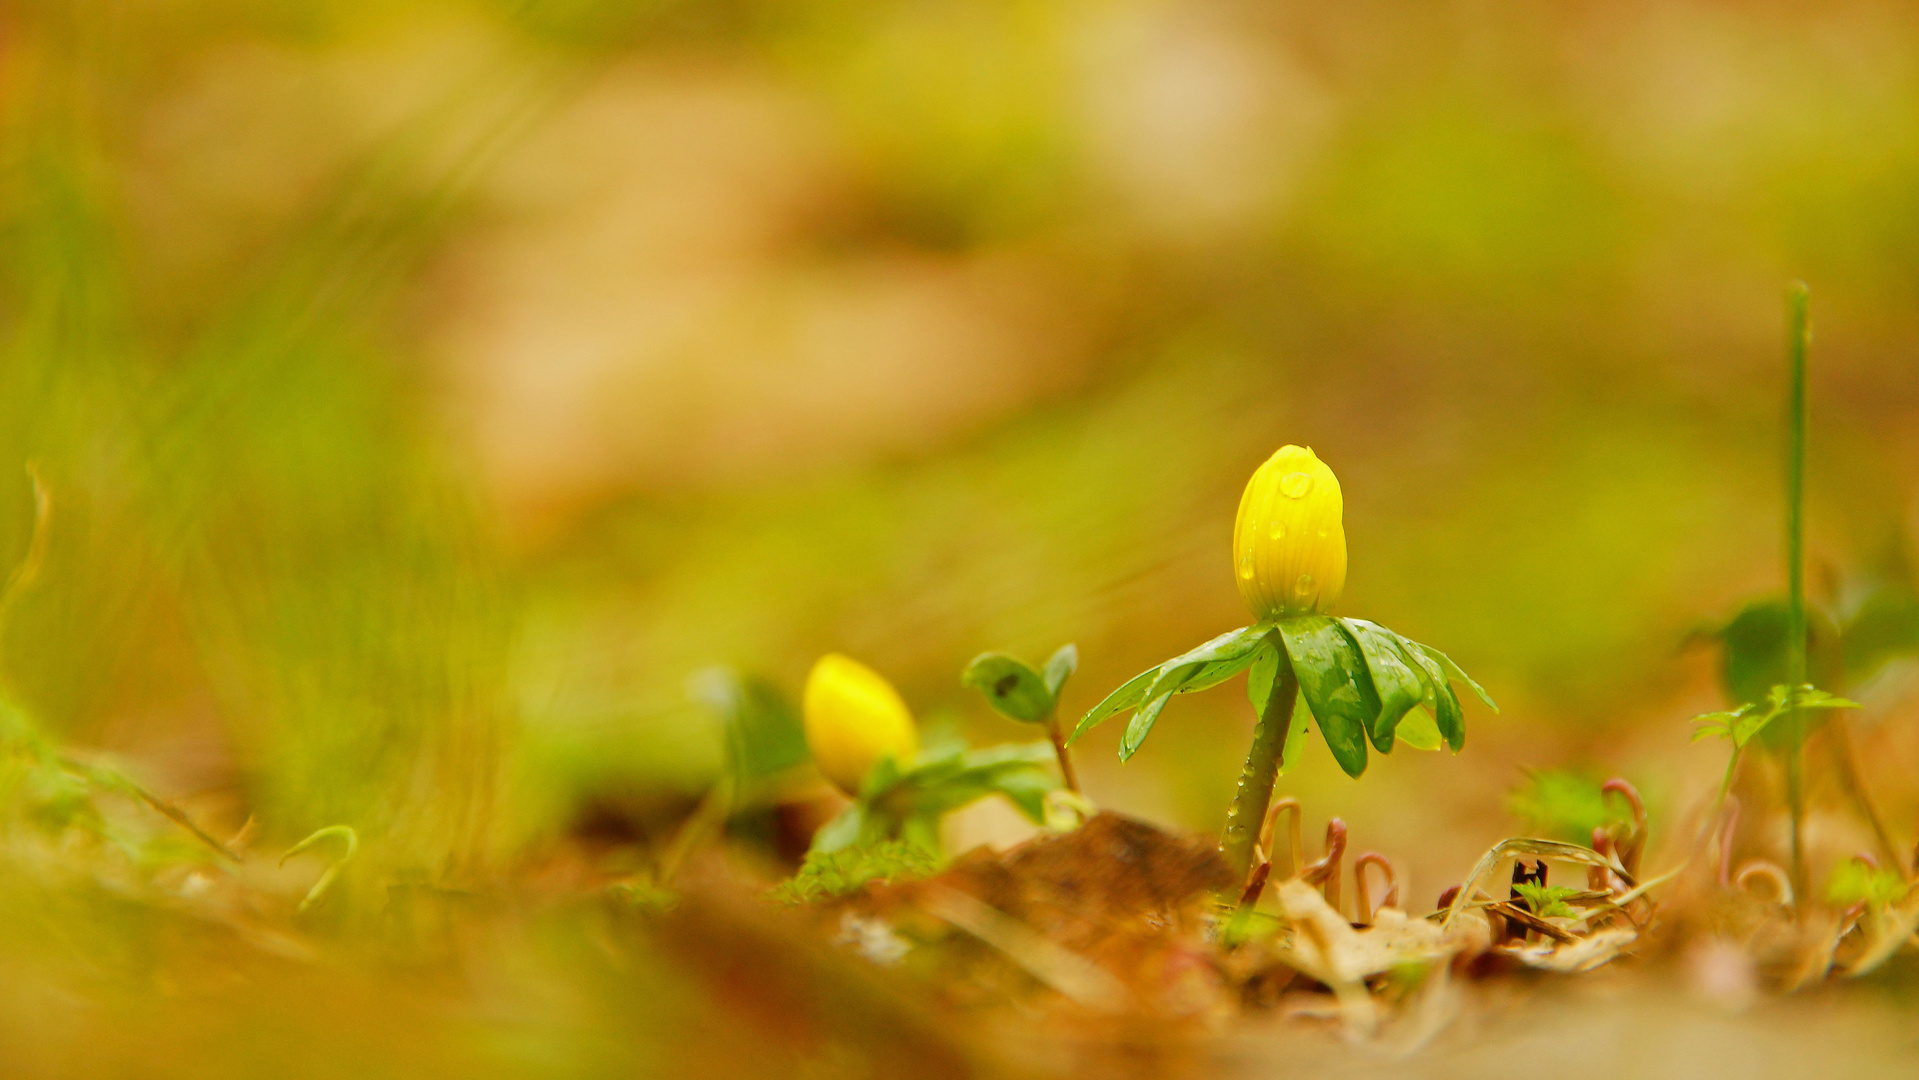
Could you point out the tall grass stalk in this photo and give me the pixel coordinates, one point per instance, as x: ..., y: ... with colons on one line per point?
x: 1798, y: 337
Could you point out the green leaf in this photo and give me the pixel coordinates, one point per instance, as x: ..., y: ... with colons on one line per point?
x: 1455, y: 672
x: 1210, y: 664
x: 1260, y: 676
x: 1448, y: 718
x: 1884, y: 626
x: 921, y: 831
x: 1400, y: 687
x: 883, y: 777
x: 1011, y: 687
x: 1298, y: 733
x: 841, y: 832
x: 1259, y: 690
x: 1126, y: 697
x: 1060, y: 667
x: 1016, y: 770
x: 763, y: 732
x: 1419, y: 731
x: 1141, y: 725
x: 1741, y: 724
x: 1754, y: 657
x: 1333, y: 677
x: 1027, y: 789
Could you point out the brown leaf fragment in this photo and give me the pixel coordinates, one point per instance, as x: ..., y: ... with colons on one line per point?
x: 1514, y: 913
x: 1577, y: 954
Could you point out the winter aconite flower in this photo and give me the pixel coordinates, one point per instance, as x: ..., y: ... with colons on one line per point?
x: 1289, y: 547
x: 854, y: 718
x: 1363, y: 684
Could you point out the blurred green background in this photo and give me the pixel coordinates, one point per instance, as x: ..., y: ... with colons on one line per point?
x: 425, y: 390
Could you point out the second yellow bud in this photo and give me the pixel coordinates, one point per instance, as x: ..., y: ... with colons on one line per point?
x: 853, y: 719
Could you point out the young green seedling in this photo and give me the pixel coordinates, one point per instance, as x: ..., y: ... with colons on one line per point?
x: 1017, y: 691
x: 864, y: 741
x: 1774, y: 645
x: 1739, y: 726
x: 1361, y: 681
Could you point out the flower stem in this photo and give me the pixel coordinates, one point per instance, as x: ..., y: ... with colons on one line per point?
x: 1799, y: 334
x: 1059, y: 748
x: 1255, y: 791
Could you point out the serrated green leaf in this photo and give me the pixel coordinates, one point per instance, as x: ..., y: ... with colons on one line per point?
x: 1012, y: 688
x: 1338, y: 689
x: 1128, y: 696
x: 1400, y: 688
x: 1419, y: 731
x: 1060, y: 667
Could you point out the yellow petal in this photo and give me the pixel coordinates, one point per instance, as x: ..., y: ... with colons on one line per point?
x: 1289, y: 544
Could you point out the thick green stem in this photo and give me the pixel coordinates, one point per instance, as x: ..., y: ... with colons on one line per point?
x: 1255, y: 792
x: 1799, y: 334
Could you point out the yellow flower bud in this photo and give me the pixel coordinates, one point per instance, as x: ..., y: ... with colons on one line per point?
x: 854, y: 718
x: 1289, y: 548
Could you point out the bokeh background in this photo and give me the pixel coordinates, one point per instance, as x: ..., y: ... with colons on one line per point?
x: 425, y: 389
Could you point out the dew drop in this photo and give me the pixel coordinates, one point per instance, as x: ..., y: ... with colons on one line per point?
x: 1277, y: 532
x: 1304, y: 585
x: 1246, y: 568
x: 1296, y: 485
x: 1322, y: 534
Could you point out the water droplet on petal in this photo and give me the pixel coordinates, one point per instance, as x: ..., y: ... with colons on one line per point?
x: 1296, y: 485
x: 1322, y: 534
x: 1304, y: 585
x: 1277, y: 532
x: 1246, y: 568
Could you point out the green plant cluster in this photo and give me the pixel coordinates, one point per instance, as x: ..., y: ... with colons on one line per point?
x: 1361, y: 682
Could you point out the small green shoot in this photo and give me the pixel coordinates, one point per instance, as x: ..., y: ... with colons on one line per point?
x: 1738, y: 726
x: 1859, y: 882
x: 1015, y: 690
x: 1548, y: 901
